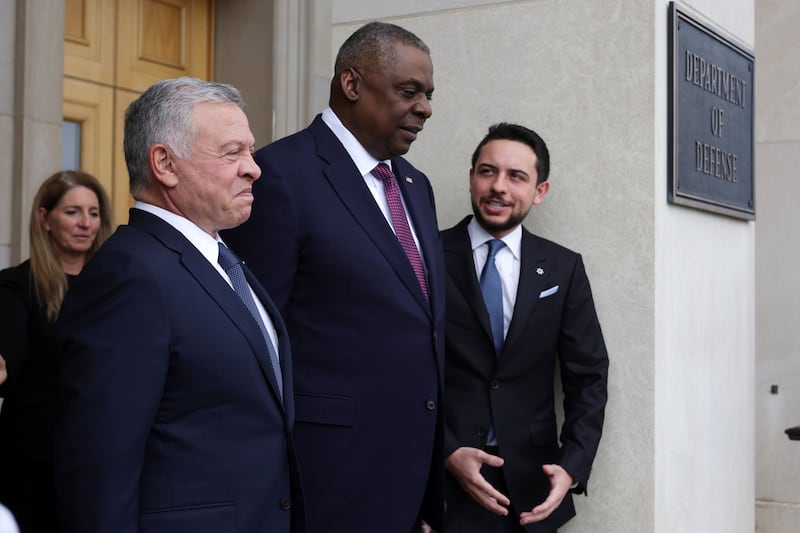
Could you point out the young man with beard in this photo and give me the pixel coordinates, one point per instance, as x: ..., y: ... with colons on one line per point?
x: 518, y: 307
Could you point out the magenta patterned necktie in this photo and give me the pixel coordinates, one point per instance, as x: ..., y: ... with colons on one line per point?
x: 400, y: 223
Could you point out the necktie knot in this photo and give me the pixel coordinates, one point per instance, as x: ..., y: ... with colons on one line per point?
x: 383, y: 173
x: 227, y: 259
x: 494, y: 247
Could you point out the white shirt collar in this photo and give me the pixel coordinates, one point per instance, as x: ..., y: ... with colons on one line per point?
x: 479, y: 236
x: 205, y: 243
x: 362, y: 159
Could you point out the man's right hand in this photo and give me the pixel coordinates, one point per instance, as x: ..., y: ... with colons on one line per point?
x: 465, y: 464
x: 3, y: 371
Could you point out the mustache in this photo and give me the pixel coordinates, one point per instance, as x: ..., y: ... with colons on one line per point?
x: 494, y: 199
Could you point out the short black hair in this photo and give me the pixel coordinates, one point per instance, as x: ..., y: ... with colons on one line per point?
x: 514, y: 132
x: 373, y: 45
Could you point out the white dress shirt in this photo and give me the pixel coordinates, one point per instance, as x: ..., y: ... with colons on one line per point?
x: 365, y: 163
x: 7, y: 522
x: 208, y: 246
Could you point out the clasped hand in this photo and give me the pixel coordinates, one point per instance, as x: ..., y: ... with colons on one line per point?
x: 465, y: 465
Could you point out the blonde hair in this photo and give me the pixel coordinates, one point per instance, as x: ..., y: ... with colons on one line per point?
x: 47, y: 274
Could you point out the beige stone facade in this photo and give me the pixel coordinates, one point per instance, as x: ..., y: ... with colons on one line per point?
x: 697, y: 308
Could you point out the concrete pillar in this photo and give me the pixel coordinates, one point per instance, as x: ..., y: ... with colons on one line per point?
x: 777, y: 257
x: 243, y: 57
x: 31, y: 70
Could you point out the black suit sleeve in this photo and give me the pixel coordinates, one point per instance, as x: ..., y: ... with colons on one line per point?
x: 583, y: 363
x: 15, y: 311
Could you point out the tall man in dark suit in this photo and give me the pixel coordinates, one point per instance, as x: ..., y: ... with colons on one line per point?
x: 518, y: 307
x: 350, y: 251
x: 177, y: 373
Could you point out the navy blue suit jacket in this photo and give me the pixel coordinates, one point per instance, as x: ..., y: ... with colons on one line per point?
x: 368, y: 348
x: 171, y: 417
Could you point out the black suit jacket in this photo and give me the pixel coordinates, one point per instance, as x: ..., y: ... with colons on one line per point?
x: 30, y: 347
x: 368, y: 348
x: 171, y: 419
x: 554, y: 327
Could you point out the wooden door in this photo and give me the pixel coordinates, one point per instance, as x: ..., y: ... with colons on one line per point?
x: 114, y: 50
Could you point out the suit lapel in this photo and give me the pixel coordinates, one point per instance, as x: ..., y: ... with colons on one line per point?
x: 282, y: 338
x: 216, y: 287
x: 345, y: 179
x: 533, y: 276
x: 461, y: 269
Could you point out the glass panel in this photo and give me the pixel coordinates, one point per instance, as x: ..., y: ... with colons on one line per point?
x: 71, y: 145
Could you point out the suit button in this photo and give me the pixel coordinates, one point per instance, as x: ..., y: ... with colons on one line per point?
x: 431, y: 405
x: 435, y: 338
x: 495, y: 385
x: 286, y: 503
x: 481, y: 433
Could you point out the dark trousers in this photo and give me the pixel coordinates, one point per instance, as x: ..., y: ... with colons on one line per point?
x: 468, y: 516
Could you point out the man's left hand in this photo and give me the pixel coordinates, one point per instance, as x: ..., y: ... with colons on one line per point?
x: 560, y: 483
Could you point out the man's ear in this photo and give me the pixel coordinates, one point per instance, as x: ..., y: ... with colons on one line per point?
x: 350, y: 81
x: 162, y: 163
x: 541, y: 190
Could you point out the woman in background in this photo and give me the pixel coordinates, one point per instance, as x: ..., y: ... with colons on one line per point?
x: 70, y: 219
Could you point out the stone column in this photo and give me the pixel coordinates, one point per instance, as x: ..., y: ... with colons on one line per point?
x: 777, y: 257
x: 31, y: 70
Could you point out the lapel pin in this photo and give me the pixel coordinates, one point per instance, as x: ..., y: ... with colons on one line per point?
x: 409, y: 180
x: 539, y: 271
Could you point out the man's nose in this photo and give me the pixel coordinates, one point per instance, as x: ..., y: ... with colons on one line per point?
x: 423, y: 107
x: 500, y: 182
x: 251, y: 168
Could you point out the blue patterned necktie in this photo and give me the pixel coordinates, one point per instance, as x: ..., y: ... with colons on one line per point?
x: 233, y: 267
x: 492, y: 290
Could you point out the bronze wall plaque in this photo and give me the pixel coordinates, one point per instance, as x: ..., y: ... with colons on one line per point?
x: 711, y: 107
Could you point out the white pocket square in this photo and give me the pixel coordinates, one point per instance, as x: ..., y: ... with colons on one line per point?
x: 549, y: 292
